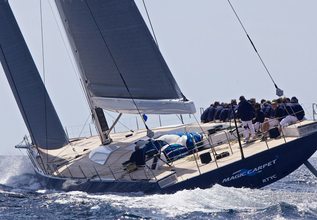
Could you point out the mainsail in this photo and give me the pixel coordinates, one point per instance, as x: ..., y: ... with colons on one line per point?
x: 27, y: 86
x: 120, y: 63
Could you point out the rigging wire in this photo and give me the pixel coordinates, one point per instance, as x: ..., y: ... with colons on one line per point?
x: 72, y: 63
x: 68, y: 52
x: 119, y: 122
x: 70, y: 143
x: 71, y: 58
x: 73, y: 67
x: 156, y: 41
x: 42, y: 42
x: 44, y: 79
x: 149, y: 131
x: 149, y: 18
x: 180, y: 117
x: 279, y: 92
x: 5, y: 63
x: 82, y: 129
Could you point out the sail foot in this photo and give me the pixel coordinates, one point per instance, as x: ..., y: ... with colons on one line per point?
x: 137, y: 106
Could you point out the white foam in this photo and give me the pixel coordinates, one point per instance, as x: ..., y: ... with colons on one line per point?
x: 17, y: 172
x: 216, y: 199
x: 213, y: 200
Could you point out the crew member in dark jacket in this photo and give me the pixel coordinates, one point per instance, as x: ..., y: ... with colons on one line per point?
x: 204, y: 115
x: 233, y: 108
x: 280, y: 111
x: 218, y: 110
x: 224, y: 114
x: 212, y: 111
x: 295, y: 113
x: 259, y: 117
x: 246, y: 113
x: 267, y: 109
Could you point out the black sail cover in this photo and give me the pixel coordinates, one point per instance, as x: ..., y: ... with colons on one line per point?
x: 118, y: 58
x: 32, y: 98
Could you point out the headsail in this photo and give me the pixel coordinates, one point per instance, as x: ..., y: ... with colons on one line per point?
x: 31, y: 96
x: 119, y: 60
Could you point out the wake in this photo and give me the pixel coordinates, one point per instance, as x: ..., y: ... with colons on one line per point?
x: 216, y: 202
x: 293, y: 196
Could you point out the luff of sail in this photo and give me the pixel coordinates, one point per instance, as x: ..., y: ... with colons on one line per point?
x: 27, y: 86
x: 120, y: 62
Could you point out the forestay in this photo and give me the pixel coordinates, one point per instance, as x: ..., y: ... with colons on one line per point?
x: 119, y: 61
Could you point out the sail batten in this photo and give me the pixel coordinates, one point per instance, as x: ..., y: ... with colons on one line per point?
x: 116, y: 52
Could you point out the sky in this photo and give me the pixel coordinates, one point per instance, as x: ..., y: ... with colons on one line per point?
x: 203, y: 44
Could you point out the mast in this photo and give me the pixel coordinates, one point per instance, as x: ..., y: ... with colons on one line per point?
x: 121, y: 67
x: 96, y: 112
x: 100, y: 122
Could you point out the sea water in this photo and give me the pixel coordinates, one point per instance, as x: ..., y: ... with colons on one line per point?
x: 22, y: 197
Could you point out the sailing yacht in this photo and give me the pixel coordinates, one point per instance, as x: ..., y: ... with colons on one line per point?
x: 122, y: 70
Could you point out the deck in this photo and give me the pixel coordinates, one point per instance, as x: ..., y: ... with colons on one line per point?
x: 73, y: 160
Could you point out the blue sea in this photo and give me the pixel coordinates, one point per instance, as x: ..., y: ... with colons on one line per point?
x: 22, y: 197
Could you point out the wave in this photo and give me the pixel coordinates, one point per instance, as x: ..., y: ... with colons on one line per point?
x: 216, y: 202
x: 17, y: 174
x: 292, y: 197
